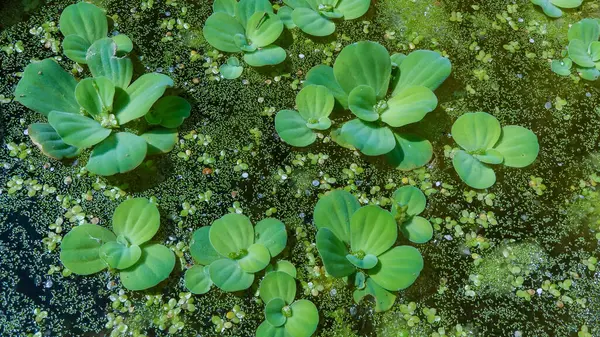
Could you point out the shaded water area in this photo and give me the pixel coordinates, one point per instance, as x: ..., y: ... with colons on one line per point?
x: 516, y: 259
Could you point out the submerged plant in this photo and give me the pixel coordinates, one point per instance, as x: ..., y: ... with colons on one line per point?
x: 231, y: 251
x: 283, y: 315
x: 552, y: 8
x: 316, y: 17
x: 407, y: 203
x: 485, y: 143
x: 383, y: 92
x: 88, y: 249
x: 358, y: 242
x: 247, y: 26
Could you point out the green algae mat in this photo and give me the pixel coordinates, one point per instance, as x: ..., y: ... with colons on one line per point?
x: 297, y: 168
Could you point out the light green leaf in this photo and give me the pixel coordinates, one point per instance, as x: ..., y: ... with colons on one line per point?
x: 548, y: 8
x: 137, y: 220
x: 369, y: 138
x: 417, y: 229
x: 169, y: 111
x: 518, y: 145
x: 411, y: 197
x: 367, y: 262
x: 263, y: 28
x: 353, y: 9
x: 383, y: 298
x: 124, y: 43
x: 364, y: 63
x: 373, y: 230
x: 153, y: 267
x: 220, y: 30
x: 562, y: 67
x: 201, y: 249
x: 312, y: 22
x: 473, y: 172
x: 297, y: 3
x: 285, y: 15
x: 265, y: 329
x: 409, y: 106
x: 231, y: 69
x: 229, y: 276
x: 119, y: 153
x: 274, y: 312
x: 46, y: 86
x: 102, y: 59
x: 362, y: 101
x: 323, y: 123
x: 120, y: 255
x: 323, y: 75
x: 225, y: 6
x: 304, y: 319
x: 75, y: 48
x: 79, y: 250
x: 283, y: 266
x: 586, y: 30
x: 293, y: 129
x: 49, y: 142
x: 424, y: 68
x: 267, y: 56
x: 314, y: 102
x: 476, y: 131
x: 398, y: 268
x: 333, y: 253
x: 85, y: 20
x: 272, y: 234
x: 490, y: 156
x: 95, y: 95
x: 246, y: 8
x: 197, y: 280
x: 589, y: 74
x: 334, y: 210
x: 140, y: 96
x: 410, y: 152
x: 567, y: 3
x: 231, y: 234
x: 277, y: 285
x: 595, y: 51
x: 160, y: 140
x: 256, y: 259
x: 578, y: 52
x: 77, y: 130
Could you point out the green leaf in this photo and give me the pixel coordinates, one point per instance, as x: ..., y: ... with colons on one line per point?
x: 123, y: 42
x: 102, y: 60
x: 323, y: 123
x: 267, y: 56
x: 398, y: 268
x: 201, y: 249
x: 79, y: 249
x: 197, y: 280
x: 548, y: 8
x: 314, y: 102
x: 277, y: 285
x: 246, y: 8
x: 362, y: 101
x: 353, y: 9
x: 297, y: 3
x: 119, y: 255
x: 476, y: 131
x: 333, y: 253
x: 562, y: 67
x: 411, y: 197
x: 586, y: 30
x: 225, y: 6
x: 595, y: 51
x: 424, y: 68
x: 373, y: 230
x: 417, y: 229
x: 232, y: 69
x: 256, y: 259
x: 369, y: 138
x: 490, y: 156
x: 292, y: 129
x: 323, y: 75
x: 518, y: 145
x: 334, y: 210
x: 229, y: 276
x: 567, y: 3
x: 137, y: 220
x: 312, y: 22
x: 285, y: 15
x: 265, y: 329
x: 46, y: 86
x: 220, y: 30
x: 274, y: 312
x: 304, y: 319
x: 231, y: 233
x: 473, y: 172
x: 49, y: 142
x: 263, y: 28
x: 383, y: 298
x: 153, y: 267
x: 410, y: 152
x: 169, y: 111
x: 578, y: 52
x: 283, y: 266
x: 160, y: 140
x: 589, y: 74
x: 409, y: 106
x: 367, y: 262
x: 75, y: 48
x: 364, y: 63
x: 96, y: 95
x: 272, y: 234
x: 139, y: 97
x: 77, y: 130
x: 119, y: 153
x: 85, y: 20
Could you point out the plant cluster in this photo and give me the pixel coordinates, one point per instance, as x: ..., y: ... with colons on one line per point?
x: 102, y: 112
x: 383, y: 93
x: 583, y: 50
x: 552, y: 8
x: 88, y: 249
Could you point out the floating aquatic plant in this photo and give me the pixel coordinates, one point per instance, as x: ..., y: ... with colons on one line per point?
x: 485, y: 143
x: 231, y: 251
x: 358, y: 242
x: 583, y: 51
x: 552, y: 8
x: 407, y: 203
x: 316, y: 17
x: 247, y: 26
x: 283, y: 315
x: 88, y: 249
